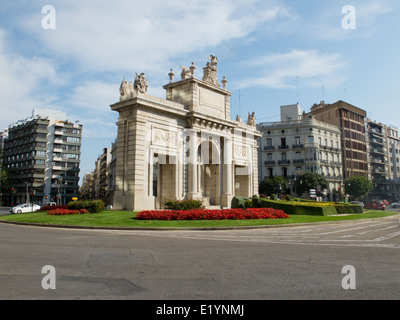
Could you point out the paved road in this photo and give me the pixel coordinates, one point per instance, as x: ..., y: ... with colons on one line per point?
x: 279, y: 263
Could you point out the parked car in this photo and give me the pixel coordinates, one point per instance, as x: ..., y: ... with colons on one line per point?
x: 375, y: 205
x: 49, y: 204
x: 395, y: 204
x: 358, y: 202
x: 25, y: 207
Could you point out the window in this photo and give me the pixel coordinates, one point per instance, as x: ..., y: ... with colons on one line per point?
x: 297, y: 140
x: 73, y: 139
x: 310, y: 139
x: 269, y: 142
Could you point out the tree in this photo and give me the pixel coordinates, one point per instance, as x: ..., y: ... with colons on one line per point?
x: 310, y: 180
x: 273, y: 185
x: 358, y: 187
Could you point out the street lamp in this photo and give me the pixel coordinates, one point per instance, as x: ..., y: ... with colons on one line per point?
x: 63, y: 184
x: 27, y: 194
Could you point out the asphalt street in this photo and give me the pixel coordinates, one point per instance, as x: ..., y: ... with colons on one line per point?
x: 303, y: 262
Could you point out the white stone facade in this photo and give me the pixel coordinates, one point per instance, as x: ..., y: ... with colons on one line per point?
x: 298, y: 144
x: 182, y: 147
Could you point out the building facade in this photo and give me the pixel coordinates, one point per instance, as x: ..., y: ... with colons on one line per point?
x: 42, y: 156
x: 383, y: 151
x: 393, y: 141
x: 298, y: 144
x: 100, y: 176
x: 182, y: 147
x: 351, y: 122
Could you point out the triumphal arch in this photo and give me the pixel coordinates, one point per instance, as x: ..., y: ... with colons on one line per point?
x: 185, y: 146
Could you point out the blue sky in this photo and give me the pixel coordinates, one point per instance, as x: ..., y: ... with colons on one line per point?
x: 272, y: 53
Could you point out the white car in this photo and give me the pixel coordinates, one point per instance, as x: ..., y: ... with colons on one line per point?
x: 395, y: 204
x: 25, y: 207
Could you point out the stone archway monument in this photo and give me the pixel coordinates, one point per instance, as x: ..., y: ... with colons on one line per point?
x: 183, y: 147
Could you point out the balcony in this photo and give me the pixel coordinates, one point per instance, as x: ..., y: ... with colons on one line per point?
x: 298, y: 146
x: 270, y: 163
x: 297, y: 161
x: 283, y: 162
x: 269, y: 148
x: 285, y: 147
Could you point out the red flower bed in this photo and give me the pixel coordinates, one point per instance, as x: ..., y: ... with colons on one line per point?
x: 60, y: 206
x: 204, y: 214
x: 63, y: 212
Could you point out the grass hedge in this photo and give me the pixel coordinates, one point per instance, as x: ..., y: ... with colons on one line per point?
x: 307, y: 208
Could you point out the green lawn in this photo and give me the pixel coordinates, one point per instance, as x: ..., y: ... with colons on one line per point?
x: 128, y: 219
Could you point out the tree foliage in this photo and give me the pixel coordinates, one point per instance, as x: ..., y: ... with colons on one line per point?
x: 310, y: 180
x: 273, y: 185
x: 358, y: 187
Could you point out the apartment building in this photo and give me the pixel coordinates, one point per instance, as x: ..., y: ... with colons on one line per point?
x: 393, y: 141
x: 351, y: 122
x: 299, y: 143
x: 42, y: 156
x: 378, y: 158
x: 101, y: 176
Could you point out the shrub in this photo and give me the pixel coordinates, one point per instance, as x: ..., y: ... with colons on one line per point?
x: 248, y: 204
x: 288, y: 197
x: 93, y: 206
x: 238, y: 202
x: 183, y: 204
x: 299, y: 208
x: 273, y: 197
x: 344, y: 208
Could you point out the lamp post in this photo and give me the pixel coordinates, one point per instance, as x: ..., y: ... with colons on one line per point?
x: 27, y: 194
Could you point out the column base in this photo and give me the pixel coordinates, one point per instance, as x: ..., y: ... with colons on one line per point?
x: 226, y: 200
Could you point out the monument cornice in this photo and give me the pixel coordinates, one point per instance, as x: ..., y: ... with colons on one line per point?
x: 199, y: 82
x: 138, y: 99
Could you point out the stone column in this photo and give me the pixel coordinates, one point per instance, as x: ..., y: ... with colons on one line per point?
x: 192, y: 166
x: 227, y: 181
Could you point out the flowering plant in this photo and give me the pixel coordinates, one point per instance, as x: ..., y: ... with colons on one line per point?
x: 206, y: 214
x: 63, y: 212
x: 61, y: 206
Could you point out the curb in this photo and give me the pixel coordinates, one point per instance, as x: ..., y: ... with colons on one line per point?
x: 191, y: 228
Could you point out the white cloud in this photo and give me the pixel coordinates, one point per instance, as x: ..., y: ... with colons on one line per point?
x: 279, y: 71
x: 20, y: 81
x: 145, y: 35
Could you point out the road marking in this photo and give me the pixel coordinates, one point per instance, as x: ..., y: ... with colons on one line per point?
x: 392, y: 235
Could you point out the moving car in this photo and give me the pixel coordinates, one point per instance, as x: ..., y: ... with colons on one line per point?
x: 375, y: 205
x: 395, y: 204
x: 25, y: 207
